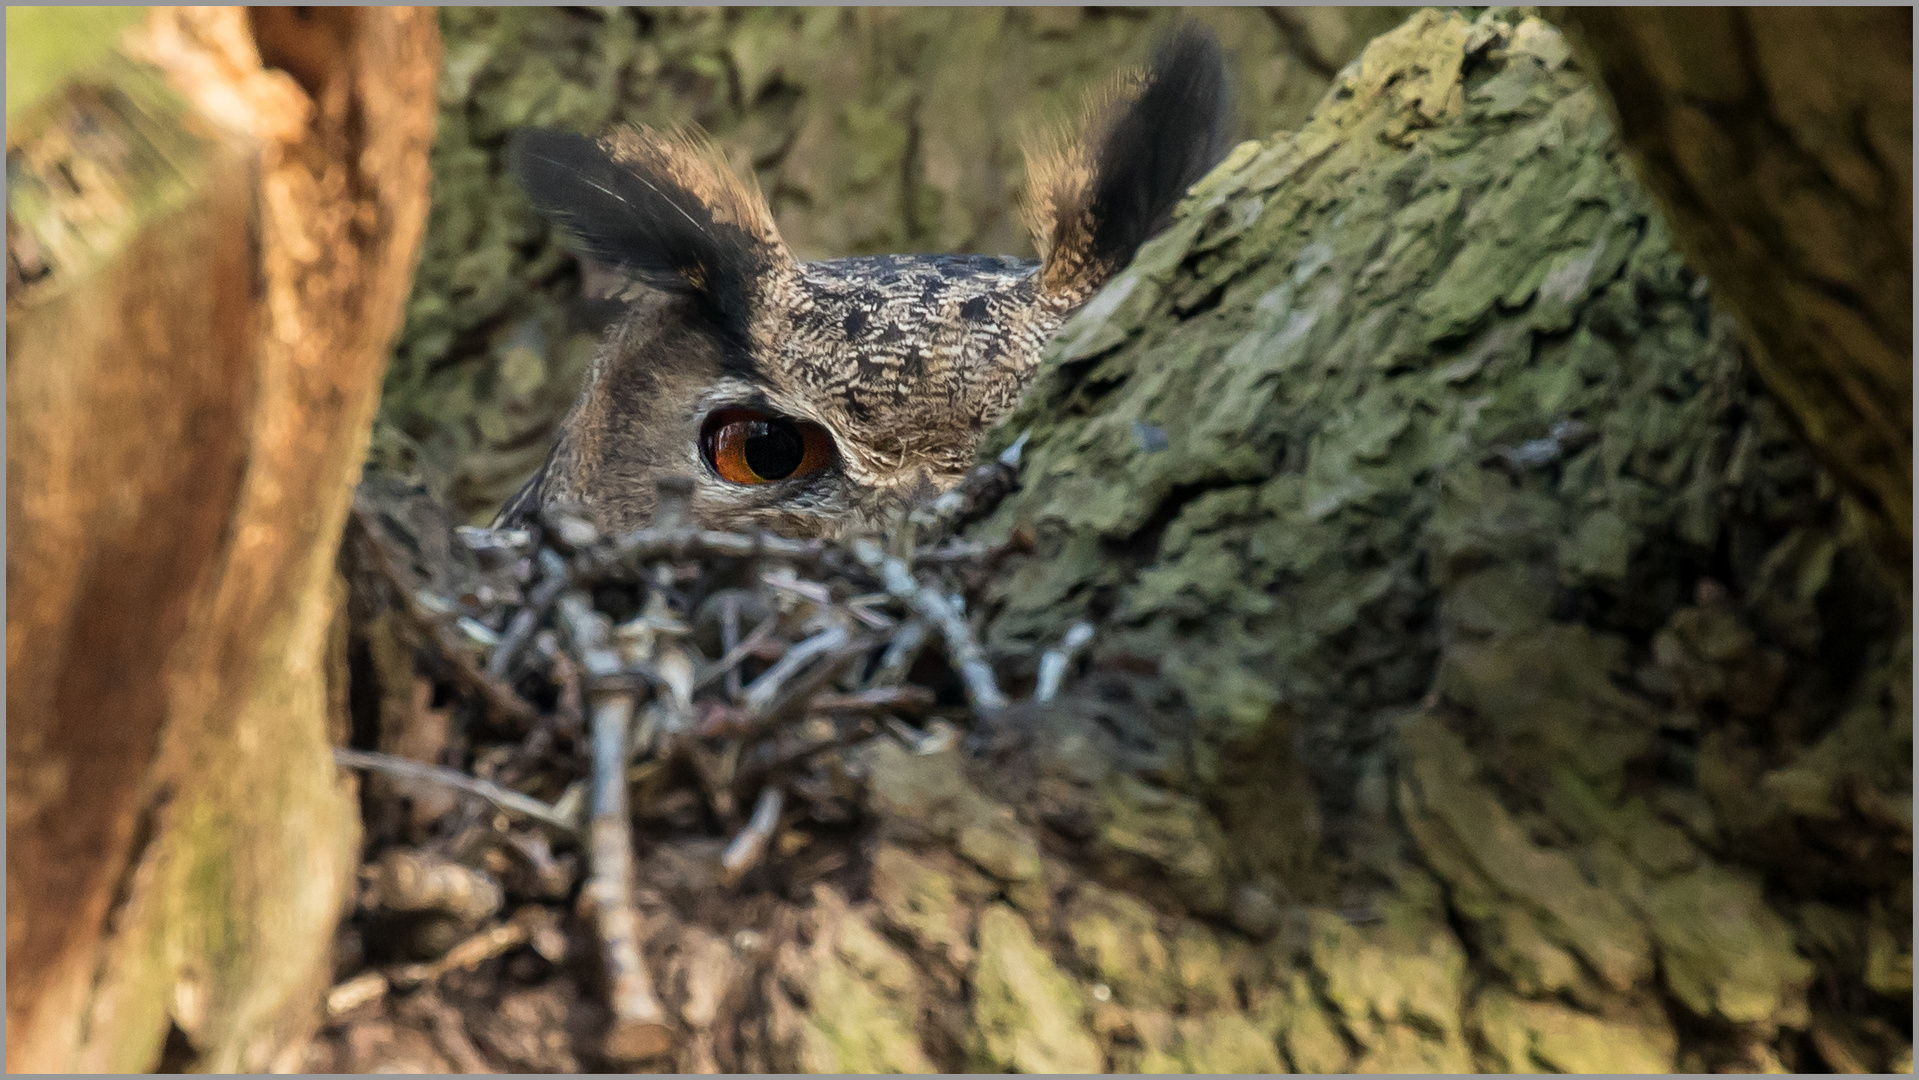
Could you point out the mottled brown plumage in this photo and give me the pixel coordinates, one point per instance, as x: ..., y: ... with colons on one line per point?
x: 900, y: 360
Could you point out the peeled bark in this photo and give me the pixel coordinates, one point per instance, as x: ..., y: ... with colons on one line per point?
x: 211, y: 231
x: 1778, y: 141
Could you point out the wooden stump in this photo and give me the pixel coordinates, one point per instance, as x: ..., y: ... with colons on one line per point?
x: 211, y: 231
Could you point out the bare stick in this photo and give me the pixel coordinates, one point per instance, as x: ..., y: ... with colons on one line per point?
x: 1054, y: 662
x: 762, y: 691
x: 730, y: 642
x: 728, y: 664
x: 527, y: 619
x: 472, y: 952
x: 498, y: 696
x: 970, y: 660
x: 368, y: 986
x: 639, y: 1030
x: 768, y: 757
x: 900, y: 654
x: 976, y: 496
x: 408, y: 769
x: 746, y: 850
x: 679, y: 544
x: 371, y: 986
x: 871, y: 702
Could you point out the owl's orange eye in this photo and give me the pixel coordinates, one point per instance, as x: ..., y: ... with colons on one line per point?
x: 746, y: 446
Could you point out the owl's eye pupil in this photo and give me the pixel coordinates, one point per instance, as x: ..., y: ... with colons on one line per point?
x: 746, y: 446
x: 773, y: 449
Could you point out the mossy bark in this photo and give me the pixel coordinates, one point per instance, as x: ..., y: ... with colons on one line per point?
x: 207, y: 258
x: 1418, y: 467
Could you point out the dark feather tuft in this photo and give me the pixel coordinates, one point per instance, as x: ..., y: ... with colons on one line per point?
x: 1092, y: 201
x: 1173, y: 133
x: 634, y: 202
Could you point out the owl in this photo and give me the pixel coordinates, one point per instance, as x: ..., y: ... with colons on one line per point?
x: 820, y: 398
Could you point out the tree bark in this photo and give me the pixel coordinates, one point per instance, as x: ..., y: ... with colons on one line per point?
x: 1532, y: 675
x: 211, y: 230
x: 1779, y: 143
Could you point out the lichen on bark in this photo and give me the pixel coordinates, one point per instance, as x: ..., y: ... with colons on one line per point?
x: 1413, y: 453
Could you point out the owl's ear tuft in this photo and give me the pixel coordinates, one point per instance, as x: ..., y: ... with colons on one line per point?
x: 1092, y: 200
x: 660, y: 207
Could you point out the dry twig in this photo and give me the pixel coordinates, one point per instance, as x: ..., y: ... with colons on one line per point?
x: 371, y: 986
x: 639, y: 1030
x: 982, y: 690
x: 1054, y: 662
x: 749, y: 847
x: 528, y: 618
x: 498, y: 696
x: 408, y: 769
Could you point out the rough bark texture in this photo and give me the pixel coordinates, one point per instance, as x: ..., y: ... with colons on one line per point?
x: 870, y: 130
x: 1779, y: 144
x: 208, y: 258
x: 1418, y: 464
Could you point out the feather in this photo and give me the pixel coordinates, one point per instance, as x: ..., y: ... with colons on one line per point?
x: 1145, y: 139
x: 660, y: 207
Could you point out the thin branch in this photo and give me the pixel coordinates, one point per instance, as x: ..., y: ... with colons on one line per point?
x: 976, y: 496
x: 499, y: 697
x: 1054, y: 662
x: 408, y: 769
x: 639, y: 1030
x: 736, y: 655
x: 371, y: 986
x: 761, y: 692
x: 968, y: 658
x: 900, y: 654
x: 871, y: 702
x: 653, y: 544
x: 528, y: 618
x: 749, y: 847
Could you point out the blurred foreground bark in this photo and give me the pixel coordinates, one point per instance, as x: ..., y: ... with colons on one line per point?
x: 211, y: 232
x: 1779, y: 143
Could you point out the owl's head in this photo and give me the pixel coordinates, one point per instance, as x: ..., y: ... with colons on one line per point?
x: 817, y: 398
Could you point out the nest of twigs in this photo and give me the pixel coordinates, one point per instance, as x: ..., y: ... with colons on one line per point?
x: 602, y: 696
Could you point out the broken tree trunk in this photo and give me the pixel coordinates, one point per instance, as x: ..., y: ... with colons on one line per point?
x: 211, y: 229
x: 1779, y: 143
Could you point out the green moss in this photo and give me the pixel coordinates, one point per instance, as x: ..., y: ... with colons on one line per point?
x: 863, y: 999
x: 1529, y: 1035
x: 1226, y: 1043
x: 1027, y: 1015
x: 1725, y: 952
x: 927, y: 901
